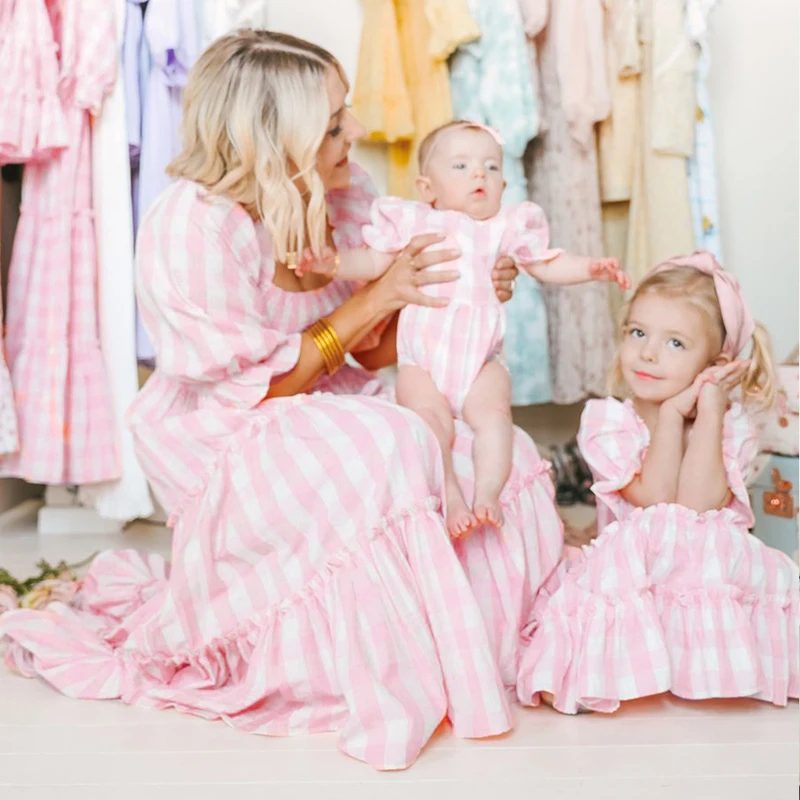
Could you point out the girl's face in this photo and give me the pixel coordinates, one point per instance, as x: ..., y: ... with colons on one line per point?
x: 333, y: 165
x: 666, y: 344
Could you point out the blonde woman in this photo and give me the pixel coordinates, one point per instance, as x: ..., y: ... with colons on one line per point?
x: 313, y: 586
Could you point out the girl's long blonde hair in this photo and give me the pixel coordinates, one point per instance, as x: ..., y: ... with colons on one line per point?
x: 759, y: 385
x: 255, y: 113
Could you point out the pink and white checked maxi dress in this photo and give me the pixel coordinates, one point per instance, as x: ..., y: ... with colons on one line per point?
x: 453, y: 343
x: 313, y: 586
x: 665, y: 599
x: 67, y: 428
x: 32, y: 127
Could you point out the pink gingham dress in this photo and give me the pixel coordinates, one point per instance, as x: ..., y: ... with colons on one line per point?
x: 665, y: 599
x: 453, y: 343
x: 67, y: 429
x: 313, y: 586
x: 32, y: 122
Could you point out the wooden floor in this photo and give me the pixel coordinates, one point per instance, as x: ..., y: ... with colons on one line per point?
x: 56, y: 748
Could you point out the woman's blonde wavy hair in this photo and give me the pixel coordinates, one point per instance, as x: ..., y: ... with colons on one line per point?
x: 759, y: 385
x: 255, y: 113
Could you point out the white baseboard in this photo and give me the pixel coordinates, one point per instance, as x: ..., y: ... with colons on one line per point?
x: 21, y: 515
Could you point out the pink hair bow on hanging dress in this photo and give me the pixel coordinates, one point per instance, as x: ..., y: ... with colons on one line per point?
x: 736, y: 316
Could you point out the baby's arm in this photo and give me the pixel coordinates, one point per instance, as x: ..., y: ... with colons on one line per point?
x: 569, y: 268
x: 362, y: 264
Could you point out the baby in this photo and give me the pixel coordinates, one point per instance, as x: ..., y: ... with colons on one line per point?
x: 450, y: 359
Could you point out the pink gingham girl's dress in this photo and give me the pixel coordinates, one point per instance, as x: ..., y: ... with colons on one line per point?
x: 453, y: 343
x: 67, y: 429
x: 313, y: 586
x: 665, y: 599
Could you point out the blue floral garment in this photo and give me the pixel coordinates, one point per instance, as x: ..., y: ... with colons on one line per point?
x: 702, y: 168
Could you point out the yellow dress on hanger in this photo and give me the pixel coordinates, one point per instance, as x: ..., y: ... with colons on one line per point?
x: 618, y: 134
x: 380, y: 98
x: 660, y: 223
x: 402, y: 89
x: 645, y: 145
x: 450, y: 26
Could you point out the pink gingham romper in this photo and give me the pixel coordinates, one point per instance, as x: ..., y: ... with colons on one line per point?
x: 313, y: 586
x: 665, y: 599
x: 67, y: 429
x: 453, y: 343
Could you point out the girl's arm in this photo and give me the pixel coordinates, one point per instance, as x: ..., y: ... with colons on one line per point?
x: 703, y: 483
x: 658, y: 480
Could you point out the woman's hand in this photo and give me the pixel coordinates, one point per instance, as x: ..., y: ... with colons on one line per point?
x: 504, y: 276
x: 400, y: 285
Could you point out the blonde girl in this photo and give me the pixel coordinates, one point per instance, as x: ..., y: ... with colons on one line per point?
x: 674, y: 594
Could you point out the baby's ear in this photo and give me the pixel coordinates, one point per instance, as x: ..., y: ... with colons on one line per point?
x: 722, y: 358
x: 425, y: 189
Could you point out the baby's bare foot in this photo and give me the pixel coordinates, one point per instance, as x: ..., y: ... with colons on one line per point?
x: 487, y: 511
x: 460, y: 520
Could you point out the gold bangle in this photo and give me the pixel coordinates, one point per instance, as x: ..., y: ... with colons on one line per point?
x: 336, y: 345
x: 326, y: 348
x: 329, y: 345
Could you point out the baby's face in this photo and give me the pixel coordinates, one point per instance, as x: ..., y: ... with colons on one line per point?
x: 465, y: 173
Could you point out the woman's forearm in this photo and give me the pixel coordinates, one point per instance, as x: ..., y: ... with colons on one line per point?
x: 352, y: 321
x: 385, y: 353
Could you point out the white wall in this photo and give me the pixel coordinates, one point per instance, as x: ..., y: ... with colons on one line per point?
x: 336, y: 26
x: 754, y: 101
x: 755, y: 106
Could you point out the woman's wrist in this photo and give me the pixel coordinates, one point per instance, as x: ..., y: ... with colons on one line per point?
x: 378, y: 305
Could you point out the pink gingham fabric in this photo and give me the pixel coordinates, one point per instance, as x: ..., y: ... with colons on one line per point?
x: 665, y: 599
x: 453, y: 343
x: 9, y: 437
x: 313, y: 586
x: 32, y: 122
x: 67, y: 428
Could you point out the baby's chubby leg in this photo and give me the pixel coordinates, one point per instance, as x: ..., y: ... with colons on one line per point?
x: 416, y: 391
x: 487, y: 410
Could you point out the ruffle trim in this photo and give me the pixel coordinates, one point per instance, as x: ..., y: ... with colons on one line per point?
x: 108, y: 635
x: 555, y: 661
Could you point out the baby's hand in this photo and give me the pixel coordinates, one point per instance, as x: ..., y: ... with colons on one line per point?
x: 326, y: 264
x: 608, y: 269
